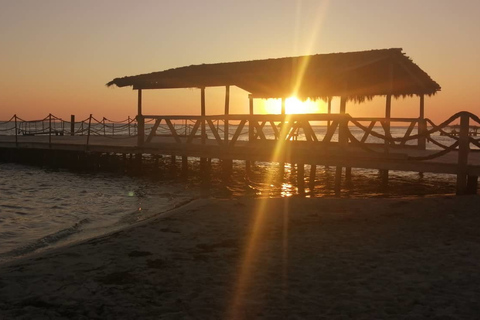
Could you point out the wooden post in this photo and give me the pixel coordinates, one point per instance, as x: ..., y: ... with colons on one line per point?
x: 311, y: 182
x: 281, y: 171
x: 16, y: 130
x: 422, y: 106
x: 422, y: 125
x: 227, y: 112
x: 203, y: 129
x: 348, y: 176
x: 251, y: 128
x: 472, y: 184
x: 388, y: 115
x: 88, y: 132
x: 184, y: 166
x: 203, y: 113
x: 463, y: 150
x: 301, y: 178
x: 227, y: 164
x: 251, y: 133
x: 140, y: 120
x: 329, y: 110
x: 283, y: 106
x: 72, y: 125
x: 343, y: 104
x: 50, y: 130
x: 342, y: 140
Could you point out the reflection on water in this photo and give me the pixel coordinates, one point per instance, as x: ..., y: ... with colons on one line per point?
x: 268, y: 180
x: 44, y: 207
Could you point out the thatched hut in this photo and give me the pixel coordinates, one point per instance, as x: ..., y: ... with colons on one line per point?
x: 353, y: 76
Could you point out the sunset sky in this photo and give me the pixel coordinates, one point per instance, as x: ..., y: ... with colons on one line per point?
x: 57, y: 55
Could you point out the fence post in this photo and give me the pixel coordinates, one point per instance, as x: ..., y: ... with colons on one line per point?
x: 463, y: 150
x: 72, y: 125
x: 128, y: 123
x: 422, y: 130
x: 50, y: 130
x: 104, y: 127
x: 88, y: 132
x: 140, y: 129
x: 16, y: 130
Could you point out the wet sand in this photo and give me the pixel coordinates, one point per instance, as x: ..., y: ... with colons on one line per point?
x: 264, y: 259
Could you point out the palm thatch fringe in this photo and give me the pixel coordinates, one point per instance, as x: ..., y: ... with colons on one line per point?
x: 355, y: 75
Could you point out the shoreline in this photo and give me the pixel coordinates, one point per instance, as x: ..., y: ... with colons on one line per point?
x: 264, y: 258
x: 14, y: 257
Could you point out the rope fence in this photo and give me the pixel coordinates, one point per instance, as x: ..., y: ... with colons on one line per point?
x: 215, y: 128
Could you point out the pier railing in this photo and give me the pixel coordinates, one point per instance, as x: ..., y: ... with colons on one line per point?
x: 227, y: 131
x: 375, y: 136
x: 320, y: 128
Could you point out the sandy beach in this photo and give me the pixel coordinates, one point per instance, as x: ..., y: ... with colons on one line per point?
x: 264, y: 259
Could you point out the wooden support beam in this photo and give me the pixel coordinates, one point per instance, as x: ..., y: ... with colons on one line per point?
x: 275, y: 129
x: 203, y: 161
x: 463, y: 151
x: 408, y: 132
x: 283, y: 106
x: 251, y: 127
x: 281, y: 170
x: 227, y: 112
x: 472, y: 185
x: 384, y: 178
x: 343, y: 104
x: 300, y: 178
x: 173, y: 131
x: 343, y: 141
x: 386, y: 128
x: 422, y: 106
x: 153, y: 132
x: 338, y: 180
x: 422, y: 125
x: 203, y: 113
x: 329, y: 109
x: 184, y: 166
x: 215, y: 132
x: 140, y: 120
x: 238, y: 132
x: 348, y: 176
x: 72, y: 125
x: 194, y: 131
x: 227, y: 166
x: 313, y: 173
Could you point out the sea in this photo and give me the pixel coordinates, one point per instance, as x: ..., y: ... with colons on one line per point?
x: 44, y: 207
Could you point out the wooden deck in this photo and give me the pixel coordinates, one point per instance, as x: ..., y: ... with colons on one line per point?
x: 291, y: 151
x: 462, y: 158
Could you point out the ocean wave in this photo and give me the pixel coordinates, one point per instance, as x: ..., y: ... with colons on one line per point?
x: 46, y: 241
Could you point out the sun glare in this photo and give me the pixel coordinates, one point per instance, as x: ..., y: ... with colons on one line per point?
x: 293, y: 105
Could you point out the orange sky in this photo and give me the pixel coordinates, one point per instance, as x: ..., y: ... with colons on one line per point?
x: 56, y: 56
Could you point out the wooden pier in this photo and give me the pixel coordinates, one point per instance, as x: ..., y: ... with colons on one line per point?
x: 344, y: 143
x: 268, y: 138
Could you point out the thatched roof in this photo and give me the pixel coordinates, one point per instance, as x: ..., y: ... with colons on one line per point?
x: 358, y: 75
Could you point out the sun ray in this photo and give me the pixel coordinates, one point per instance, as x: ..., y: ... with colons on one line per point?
x: 247, y: 266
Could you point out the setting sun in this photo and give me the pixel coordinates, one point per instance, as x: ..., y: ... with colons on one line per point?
x: 294, y: 105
